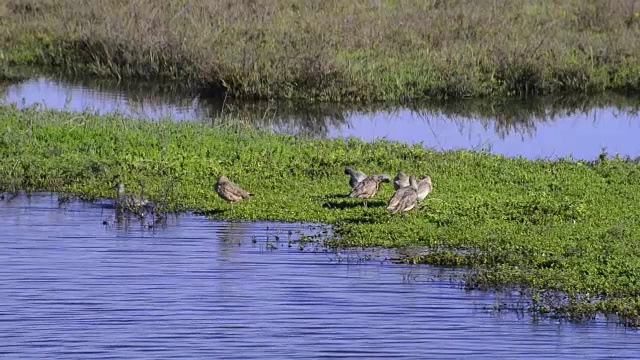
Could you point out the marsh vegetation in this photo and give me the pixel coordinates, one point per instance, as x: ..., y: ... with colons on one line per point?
x: 360, y: 50
x: 154, y: 100
x: 565, y: 231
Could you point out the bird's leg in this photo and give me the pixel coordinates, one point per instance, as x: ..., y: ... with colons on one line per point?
x: 233, y: 212
x: 365, y: 204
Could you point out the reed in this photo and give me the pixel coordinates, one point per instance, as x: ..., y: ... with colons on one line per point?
x: 362, y: 50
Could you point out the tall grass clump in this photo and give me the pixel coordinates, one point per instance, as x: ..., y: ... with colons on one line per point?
x: 362, y: 50
x: 565, y: 233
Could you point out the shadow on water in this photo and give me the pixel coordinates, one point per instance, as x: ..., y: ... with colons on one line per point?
x: 543, y: 127
x: 206, y: 289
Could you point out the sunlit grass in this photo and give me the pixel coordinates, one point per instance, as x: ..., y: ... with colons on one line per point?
x: 360, y: 50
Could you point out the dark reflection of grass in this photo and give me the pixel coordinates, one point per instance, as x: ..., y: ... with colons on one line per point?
x: 303, y: 119
x: 11, y: 75
x: 315, y: 120
x: 507, y: 117
x: 282, y: 117
x: 522, y: 116
x: 8, y: 77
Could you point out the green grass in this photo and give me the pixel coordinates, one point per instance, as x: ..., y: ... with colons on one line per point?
x: 362, y: 50
x: 565, y: 232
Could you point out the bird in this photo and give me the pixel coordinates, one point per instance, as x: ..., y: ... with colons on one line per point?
x: 355, y: 176
x: 425, y: 187
x: 368, y: 188
x: 129, y: 202
x: 395, y: 199
x: 401, y: 180
x: 230, y: 192
x: 404, y: 199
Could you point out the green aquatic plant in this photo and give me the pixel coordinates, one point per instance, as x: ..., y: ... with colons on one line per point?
x: 566, y: 231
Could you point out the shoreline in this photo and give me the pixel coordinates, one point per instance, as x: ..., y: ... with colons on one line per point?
x: 548, y: 226
x: 521, y: 300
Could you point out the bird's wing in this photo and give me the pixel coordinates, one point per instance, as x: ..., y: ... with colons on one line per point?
x: 363, y: 188
x: 360, y: 176
x: 237, y: 191
x: 395, y: 199
x: 408, y: 201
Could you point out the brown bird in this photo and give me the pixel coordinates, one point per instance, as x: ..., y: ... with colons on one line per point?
x: 131, y: 202
x: 425, y: 187
x: 230, y: 192
x: 355, y: 176
x: 395, y: 199
x: 404, y: 199
x: 368, y: 187
x: 401, y: 180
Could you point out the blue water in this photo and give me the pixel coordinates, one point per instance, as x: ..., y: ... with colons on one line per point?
x: 76, y: 283
x: 580, y: 133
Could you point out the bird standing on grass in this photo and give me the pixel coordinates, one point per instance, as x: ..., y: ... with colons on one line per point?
x: 230, y: 192
x: 425, y: 187
x: 368, y: 187
x: 404, y: 199
x: 395, y: 199
x: 355, y: 176
x: 401, y: 180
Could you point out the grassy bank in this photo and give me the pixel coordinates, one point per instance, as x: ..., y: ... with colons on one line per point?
x: 566, y: 232
x: 360, y: 50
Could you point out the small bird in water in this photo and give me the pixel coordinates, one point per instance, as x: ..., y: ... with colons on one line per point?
x: 131, y: 202
x: 404, y: 199
x: 355, y: 176
x: 230, y: 192
x: 401, y: 180
x: 425, y: 187
x: 368, y: 187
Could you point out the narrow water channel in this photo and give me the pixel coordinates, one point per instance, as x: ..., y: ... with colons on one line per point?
x: 77, y: 282
x: 549, y: 128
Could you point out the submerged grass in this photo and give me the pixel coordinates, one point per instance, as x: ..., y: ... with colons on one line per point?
x: 567, y: 232
x: 362, y: 50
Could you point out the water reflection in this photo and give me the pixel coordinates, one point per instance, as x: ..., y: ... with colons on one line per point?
x: 156, y: 101
x: 202, y: 289
x: 534, y: 128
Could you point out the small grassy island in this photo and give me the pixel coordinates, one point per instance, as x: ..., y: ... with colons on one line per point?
x: 359, y: 50
x: 566, y: 232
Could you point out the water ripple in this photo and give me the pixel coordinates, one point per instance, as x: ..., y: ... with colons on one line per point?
x: 74, y: 288
x: 530, y: 128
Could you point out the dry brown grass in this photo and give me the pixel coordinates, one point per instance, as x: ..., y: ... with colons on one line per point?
x: 367, y: 50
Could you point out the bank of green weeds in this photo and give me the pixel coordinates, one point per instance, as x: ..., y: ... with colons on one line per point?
x: 566, y: 232
x: 360, y: 50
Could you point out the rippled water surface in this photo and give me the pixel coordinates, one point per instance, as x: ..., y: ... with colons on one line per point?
x: 550, y: 128
x: 77, y: 283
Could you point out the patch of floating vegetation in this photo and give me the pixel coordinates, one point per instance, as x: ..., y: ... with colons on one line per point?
x: 548, y: 227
